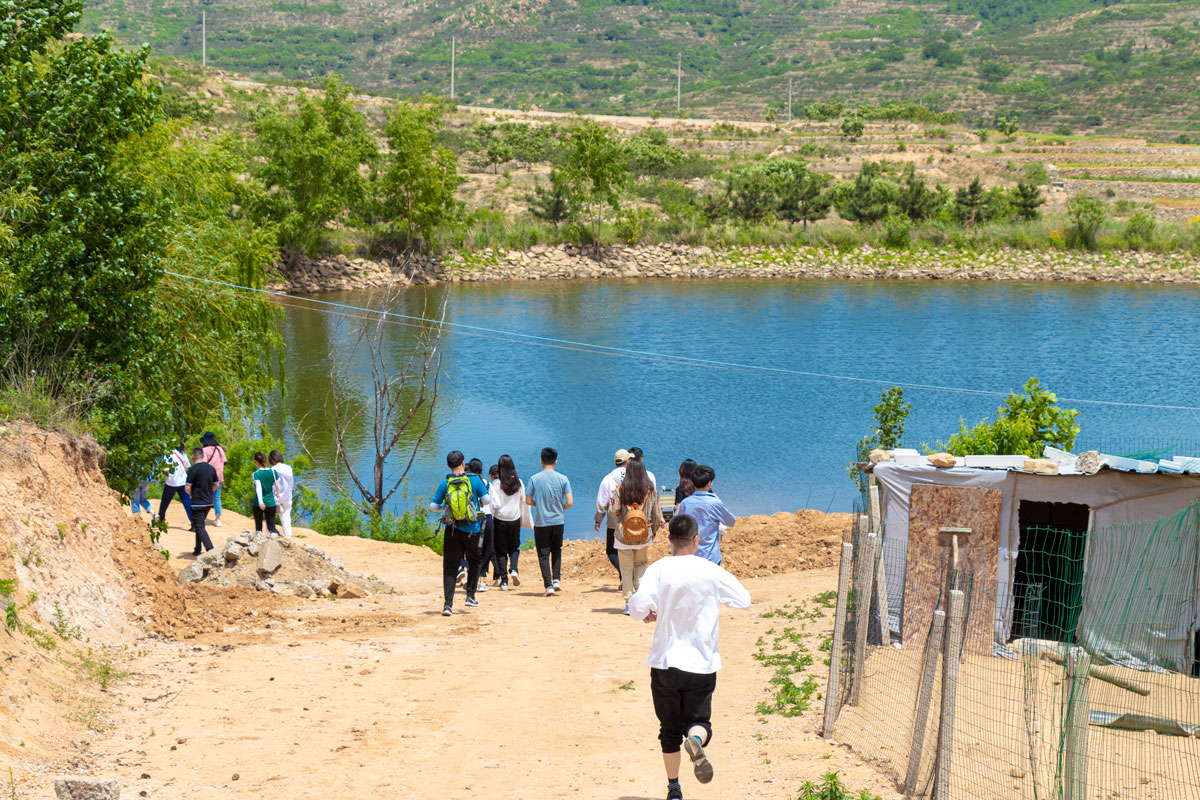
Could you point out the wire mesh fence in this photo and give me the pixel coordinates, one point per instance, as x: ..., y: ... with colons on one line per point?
x: 1087, y: 688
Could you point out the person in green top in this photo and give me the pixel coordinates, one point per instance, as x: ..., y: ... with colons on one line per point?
x: 264, y: 494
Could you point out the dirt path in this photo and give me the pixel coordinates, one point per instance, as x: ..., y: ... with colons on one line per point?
x: 545, y: 697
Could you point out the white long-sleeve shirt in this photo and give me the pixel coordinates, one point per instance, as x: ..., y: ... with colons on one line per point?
x: 608, y: 488
x: 285, y: 481
x: 687, y: 593
x: 505, y: 507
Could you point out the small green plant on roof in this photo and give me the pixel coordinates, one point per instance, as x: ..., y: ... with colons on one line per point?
x: 1024, y: 425
x: 831, y: 788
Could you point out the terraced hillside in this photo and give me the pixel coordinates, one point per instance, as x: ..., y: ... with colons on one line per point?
x: 1083, y: 65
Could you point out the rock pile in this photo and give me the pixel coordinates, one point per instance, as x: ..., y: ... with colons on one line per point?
x: 281, y: 566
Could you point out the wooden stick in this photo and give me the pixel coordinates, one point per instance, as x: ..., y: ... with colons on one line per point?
x: 1101, y: 674
x: 954, y: 638
x: 929, y: 663
x: 873, y: 494
x: 835, y: 650
x: 885, y: 625
x: 1075, y: 746
x: 862, y: 614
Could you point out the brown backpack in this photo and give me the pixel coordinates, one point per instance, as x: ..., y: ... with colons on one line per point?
x: 635, y: 529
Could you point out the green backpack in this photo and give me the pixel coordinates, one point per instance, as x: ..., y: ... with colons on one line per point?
x: 461, y: 506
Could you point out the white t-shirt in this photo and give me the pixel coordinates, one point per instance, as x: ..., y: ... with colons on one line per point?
x: 609, y: 485
x: 179, y: 467
x: 687, y: 592
x: 285, y: 481
x: 505, y: 507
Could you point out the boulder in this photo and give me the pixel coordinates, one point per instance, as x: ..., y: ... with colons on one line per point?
x: 1088, y: 462
x: 1042, y: 466
x: 210, y: 559
x: 270, y: 557
x: 244, y: 538
x: 320, y: 587
x: 942, y: 460
x: 303, y: 591
x: 350, y: 591
x: 232, y: 552
x: 878, y: 455
x: 87, y: 788
x: 192, y: 573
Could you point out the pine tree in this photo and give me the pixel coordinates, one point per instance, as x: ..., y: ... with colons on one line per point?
x: 1025, y: 199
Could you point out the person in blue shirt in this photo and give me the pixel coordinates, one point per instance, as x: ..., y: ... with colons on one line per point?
x: 462, y: 536
x: 549, y: 493
x: 709, y: 512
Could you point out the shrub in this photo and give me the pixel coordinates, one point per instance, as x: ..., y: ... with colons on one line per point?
x: 897, y: 231
x: 1139, y: 230
x: 1024, y: 425
x: 1087, y: 216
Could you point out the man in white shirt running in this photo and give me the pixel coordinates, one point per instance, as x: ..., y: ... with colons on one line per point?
x: 683, y: 594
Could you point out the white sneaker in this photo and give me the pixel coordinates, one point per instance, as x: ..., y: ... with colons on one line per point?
x: 549, y: 591
x: 461, y: 578
x: 218, y: 521
x: 514, y: 578
x: 481, y: 586
x: 557, y: 586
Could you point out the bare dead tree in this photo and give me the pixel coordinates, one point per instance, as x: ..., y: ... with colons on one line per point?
x: 400, y: 402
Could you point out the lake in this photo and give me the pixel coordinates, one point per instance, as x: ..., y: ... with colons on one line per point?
x: 777, y: 441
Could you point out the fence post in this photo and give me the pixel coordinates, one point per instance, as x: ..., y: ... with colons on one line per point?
x: 1075, y: 744
x: 862, y: 613
x: 929, y: 661
x: 873, y: 496
x: 954, y: 638
x: 832, y: 689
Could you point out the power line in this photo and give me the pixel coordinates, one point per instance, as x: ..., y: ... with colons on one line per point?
x: 518, y: 337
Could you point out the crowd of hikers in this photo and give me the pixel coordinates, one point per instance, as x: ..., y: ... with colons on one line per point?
x: 197, y: 478
x: 681, y: 594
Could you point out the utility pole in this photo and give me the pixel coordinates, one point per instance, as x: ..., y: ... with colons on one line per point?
x: 203, y: 37
x: 678, y: 78
x: 789, y: 98
x: 453, y: 45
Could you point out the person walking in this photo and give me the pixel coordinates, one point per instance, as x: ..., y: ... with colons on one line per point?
x: 215, y: 454
x: 201, y: 486
x: 636, y: 511
x: 175, y: 484
x: 264, y: 494
x: 685, y: 488
x: 139, y: 500
x: 549, y: 493
x: 682, y: 595
x: 604, y: 496
x: 486, y: 531
x: 459, y: 497
x: 507, y: 499
x: 285, y: 482
x: 710, y: 513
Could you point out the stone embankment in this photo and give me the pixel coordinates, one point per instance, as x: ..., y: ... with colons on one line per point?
x: 683, y: 261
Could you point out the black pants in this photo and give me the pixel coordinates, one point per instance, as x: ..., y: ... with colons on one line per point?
x: 507, y: 541
x: 455, y: 546
x: 269, y: 515
x: 167, y: 494
x: 610, y: 548
x: 681, y: 700
x: 199, y: 519
x: 488, y: 556
x: 548, y: 540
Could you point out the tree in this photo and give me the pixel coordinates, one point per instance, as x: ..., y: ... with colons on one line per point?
x: 852, y: 126
x: 867, y: 198
x: 969, y: 202
x: 551, y: 203
x: 1026, y: 199
x: 1087, y: 216
x: 751, y: 193
x: 1007, y: 124
x: 800, y: 193
x: 1024, y: 425
x: 400, y: 402
x: 915, y: 198
x: 308, y: 165
x: 596, y: 170
x: 415, y: 192
x: 886, y: 434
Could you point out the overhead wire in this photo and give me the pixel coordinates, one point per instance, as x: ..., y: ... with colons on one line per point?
x: 349, y: 311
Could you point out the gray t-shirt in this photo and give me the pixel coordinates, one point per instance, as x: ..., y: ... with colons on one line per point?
x: 549, y: 491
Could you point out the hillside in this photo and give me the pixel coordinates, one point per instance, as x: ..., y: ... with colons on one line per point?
x: 1097, y: 65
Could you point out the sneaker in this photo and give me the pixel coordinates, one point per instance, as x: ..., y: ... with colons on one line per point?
x: 695, y: 751
x: 498, y: 581
x: 481, y: 586
x: 218, y: 521
x: 504, y: 586
x: 462, y: 577
x: 514, y: 578
x: 626, y: 611
x: 446, y: 611
x: 549, y: 591
x: 471, y: 603
x: 674, y: 791
x: 557, y: 586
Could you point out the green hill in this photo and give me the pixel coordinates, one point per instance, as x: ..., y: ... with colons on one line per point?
x: 1104, y: 65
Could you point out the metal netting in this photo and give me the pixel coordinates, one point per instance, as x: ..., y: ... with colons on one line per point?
x: 1092, y: 694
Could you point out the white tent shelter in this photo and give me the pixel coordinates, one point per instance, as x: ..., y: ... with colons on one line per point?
x: 1112, y: 496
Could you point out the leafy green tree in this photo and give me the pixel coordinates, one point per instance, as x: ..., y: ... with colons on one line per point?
x: 650, y: 154
x: 852, y: 126
x: 1024, y: 425
x: 1087, y: 217
x: 596, y: 170
x: 915, y: 198
x: 752, y: 193
x: 867, y: 198
x: 800, y: 193
x: 1025, y: 200
x: 886, y: 434
x: 969, y: 202
x: 415, y: 191
x: 552, y: 203
x: 309, y: 166
x: 1007, y: 124
x: 498, y: 152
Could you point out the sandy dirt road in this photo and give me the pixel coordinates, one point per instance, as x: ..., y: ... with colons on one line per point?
x: 525, y: 696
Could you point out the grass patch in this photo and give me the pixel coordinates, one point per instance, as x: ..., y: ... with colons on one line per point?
x: 785, y: 651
